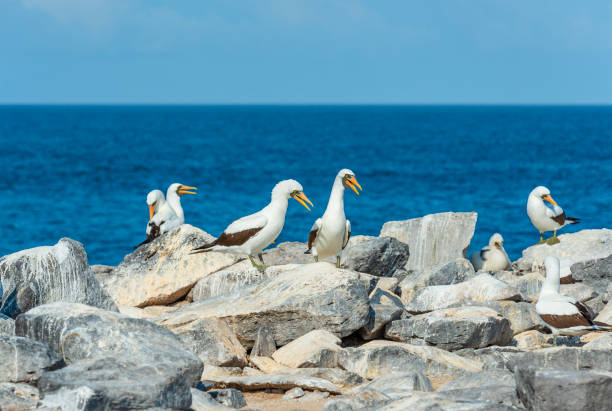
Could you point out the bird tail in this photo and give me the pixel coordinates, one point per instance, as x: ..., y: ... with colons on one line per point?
x: 571, y: 220
x: 308, y: 251
x: 602, y: 326
x: 204, y: 248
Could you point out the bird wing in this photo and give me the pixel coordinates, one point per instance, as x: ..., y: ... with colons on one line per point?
x: 241, y: 230
x: 556, y: 214
x: 347, y: 234
x: 314, y: 232
x: 483, y: 253
x: 564, y: 312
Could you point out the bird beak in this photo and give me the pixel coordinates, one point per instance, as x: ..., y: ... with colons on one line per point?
x: 301, y: 197
x: 352, y: 182
x: 151, y: 211
x: 548, y: 198
x: 185, y: 190
x: 498, y: 246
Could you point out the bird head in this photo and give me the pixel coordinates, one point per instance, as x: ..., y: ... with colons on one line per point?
x: 349, y: 180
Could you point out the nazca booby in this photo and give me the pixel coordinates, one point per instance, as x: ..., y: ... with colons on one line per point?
x: 155, y: 199
x: 545, y: 218
x: 491, y: 257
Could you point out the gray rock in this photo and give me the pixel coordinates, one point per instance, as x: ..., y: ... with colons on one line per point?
x: 229, y: 397
x: 481, y: 379
x: 313, y: 296
x: 316, y: 349
x: 384, y: 308
x: 481, y: 288
x: 492, y: 358
x: 73, y: 399
x: 435, y: 238
x: 380, y: 256
x: 164, y: 270
x: 579, y: 292
x: 603, y: 342
x: 529, y: 285
x: 77, y: 332
x: 388, y: 284
x: 24, y: 360
x: 315, y: 396
x: 496, y: 394
x: 116, y: 384
x: 47, y: 274
x: 522, y: 316
x: 422, y: 401
x: 202, y: 401
x: 296, y: 392
x: 367, y: 400
x: 605, y: 315
x: 544, y: 389
x: 291, y: 252
x: 284, y: 382
x: 396, y: 385
x: 7, y: 326
x: 17, y: 397
x: 264, y: 345
x: 563, y: 358
x: 379, y: 357
x: 596, y: 273
x: 454, y: 328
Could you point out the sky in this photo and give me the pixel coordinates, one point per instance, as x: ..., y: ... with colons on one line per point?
x: 305, y: 51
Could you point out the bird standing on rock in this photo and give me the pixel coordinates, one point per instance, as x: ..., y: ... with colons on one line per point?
x: 545, y: 218
x: 330, y: 233
x: 492, y: 257
x: 251, y: 234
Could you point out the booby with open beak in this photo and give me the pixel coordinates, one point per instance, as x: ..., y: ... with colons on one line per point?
x: 170, y: 214
x: 545, y: 218
x: 251, y: 234
x: 491, y: 257
x: 330, y: 234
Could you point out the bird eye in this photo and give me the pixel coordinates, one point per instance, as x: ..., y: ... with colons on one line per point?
x: 347, y: 176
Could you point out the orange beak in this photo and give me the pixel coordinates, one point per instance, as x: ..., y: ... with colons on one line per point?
x: 185, y: 190
x: 301, y: 197
x: 352, y: 182
x: 548, y: 198
x: 151, y: 211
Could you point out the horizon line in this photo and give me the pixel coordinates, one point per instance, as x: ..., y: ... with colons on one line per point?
x: 5, y: 104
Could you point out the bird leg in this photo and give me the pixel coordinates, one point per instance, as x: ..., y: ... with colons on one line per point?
x: 260, y: 267
x: 541, y: 238
x: 260, y: 255
x: 555, y: 340
x: 338, y: 265
x: 553, y: 240
x: 316, y: 257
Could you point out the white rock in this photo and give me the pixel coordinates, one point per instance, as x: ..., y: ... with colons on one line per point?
x: 318, y: 348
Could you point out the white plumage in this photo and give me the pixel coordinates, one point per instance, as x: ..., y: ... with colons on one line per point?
x: 330, y: 233
x: 155, y: 200
x: 491, y: 257
x: 545, y: 218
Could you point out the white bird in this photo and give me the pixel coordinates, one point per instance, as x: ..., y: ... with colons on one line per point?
x: 155, y: 199
x: 563, y: 315
x: 491, y: 257
x: 545, y: 218
x: 251, y: 234
x: 170, y: 214
x: 330, y: 233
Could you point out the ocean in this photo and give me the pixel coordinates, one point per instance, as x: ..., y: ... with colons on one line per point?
x: 84, y: 171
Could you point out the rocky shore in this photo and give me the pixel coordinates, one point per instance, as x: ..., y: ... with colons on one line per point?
x: 406, y: 324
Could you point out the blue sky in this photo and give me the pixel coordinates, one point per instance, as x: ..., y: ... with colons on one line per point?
x: 311, y: 51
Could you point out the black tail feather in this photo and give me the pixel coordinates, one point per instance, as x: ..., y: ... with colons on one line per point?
x: 204, y: 248
x: 572, y: 220
x: 308, y: 251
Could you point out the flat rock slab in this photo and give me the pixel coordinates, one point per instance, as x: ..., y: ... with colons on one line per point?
x: 313, y: 296
x: 24, y: 360
x: 422, y: 401
x: 564, y: 358
x: 435, y: 238
x: 577, y: 247
x: 78, y: 332
x: 379, y: 357
x: 454, y: 328
x: 396, y: 385
x: 163, y: 271
x: 318, y: 348
x: 384, y: 308
x: 280, y: 381
x: 379, y: 256
x: 17, y: 397
x: 7, y: 326
x: 47, y: 274
x: 543, y: 389
x: 597, y: 273
x: 494, y: 357
x: 481, y: 288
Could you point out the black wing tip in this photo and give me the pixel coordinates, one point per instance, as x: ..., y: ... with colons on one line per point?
x: 308, y: 251
x: 573, y: 220
x: 202, y: 249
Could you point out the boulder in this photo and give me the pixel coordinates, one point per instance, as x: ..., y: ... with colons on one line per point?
x: 164, y: 270
x: 79, y: 332
x: 497, y: 386
x: 279, y: 381
x: 545, y: 389
x: 522, y: 316
x: 380, y: 256
x: 203, y: 401
x: 481, y: 288
x: 583, y: 246
x: 264, y: 345
x: 366, y: 400
x: 605, y: 315
x: 384, y: 308
x: 24, y: 360
x: 313, y: 296
x: 47, y: 274
x: 396, y: 385
x: 435, y: 238
x: 579, y: 292
x: 229, y: 397
x: 453, y: 328
x: 492, y: 358
x: 292, y: 252
x: 597, y: 272
x: 7, y: 326
x: 563, y: 358
x: 531, y: 340
x: 316, y: 349
x: 425, y: 401
x: 529, y: 285
x: 379, y: 357
x: 388, y: 284
x: 293, y: 393
x: 601, y: 342
x: 17, y: 397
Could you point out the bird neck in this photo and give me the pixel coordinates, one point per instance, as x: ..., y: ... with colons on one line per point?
x: 551, y: 285
x: 336, y: 198
x: 174, y: 201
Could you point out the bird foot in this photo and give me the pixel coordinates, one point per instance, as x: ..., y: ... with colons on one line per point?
x: 261, y: 268
x: 540, y: 242
x: 552, y: 241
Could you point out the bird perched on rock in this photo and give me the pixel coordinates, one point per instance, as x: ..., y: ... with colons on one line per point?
x: 251, y: 234
x: 168, y: 215
x: 330, y: 233
x: 564, y: 315
x: 492, y: 257
x: 545, y: 218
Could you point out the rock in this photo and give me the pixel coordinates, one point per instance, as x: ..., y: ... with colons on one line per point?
x: 24, y: 360
x: 7, y: 326
x: 47, y: 274
x: 596, y: 273
x: 296, y: 392
x: 605, y: 315
x: 229, y: 397
x: 396, y: 385
x: 315, y: 396
x: 379, y: 357
x: 522, y: 316
x: 493, y: 386
x: 116, y: 383
x: 212, y: 340
x: 388, y: 284
x: 422, y: 401
x: 316, y: 349
x: 492, y: 358
x: 163, y: 271
x: 583, y: 246
x: 203, y: 401
x: 531, y: 340
x: 539, y: 389
x: 284, y: 382
x: 367, y: 400
x: 454, y: 328
x: 380, y: 256
x: 264, y: 345
x: 480, y: 289
x: 435, y: 238
x: 579, y: 292
x: 563, y: 358
x: 451, y: 272
x: 313, y: 296
x: 602, y: 342
x: 17, y: 397
x: 233, y: 278
x: 212, y: 371
x: 100, y: 269
x: 384, y: 308
x: 78, y: 332
x: 291, y: 252
x: 529, y: 285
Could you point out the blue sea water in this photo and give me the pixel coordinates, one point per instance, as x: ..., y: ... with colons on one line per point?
x: 84, y: 171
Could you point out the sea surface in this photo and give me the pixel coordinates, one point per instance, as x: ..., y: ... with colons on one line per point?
x: 83, y: 171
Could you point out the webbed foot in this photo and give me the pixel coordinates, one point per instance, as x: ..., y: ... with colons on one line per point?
x: 552, y: 241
